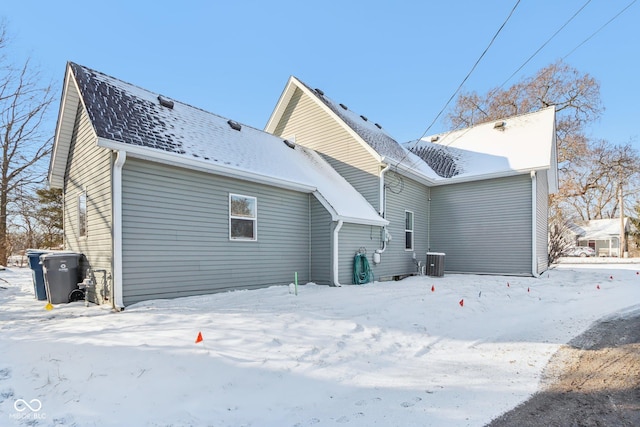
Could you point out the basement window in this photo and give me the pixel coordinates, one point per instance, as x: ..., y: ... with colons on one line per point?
x: 243, y: 218
x: 82, y: 214
x: 408, y: 230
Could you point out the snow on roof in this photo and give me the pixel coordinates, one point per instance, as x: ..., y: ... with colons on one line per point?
x: 134, y: 117
x: 600, y: 229
x: 519, y: 143
x: 525, y: 143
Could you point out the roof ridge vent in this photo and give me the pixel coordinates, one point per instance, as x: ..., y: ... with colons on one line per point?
x: 344, y: 107
x: 500, y: 125
x: 234, y: 125
x: 319, y: 92
x: 165, y: 102
x: 364, y: 118
x: 289, y: 143
x: 435, y: 138
x: 378, y: 126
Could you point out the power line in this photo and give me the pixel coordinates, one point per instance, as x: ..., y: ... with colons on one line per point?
x: 545, y: 43
x: 467, y: 76
x: 599, y: 29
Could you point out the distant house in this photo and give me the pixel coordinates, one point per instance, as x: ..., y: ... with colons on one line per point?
x: 174, y: 201
x: 603, y: 235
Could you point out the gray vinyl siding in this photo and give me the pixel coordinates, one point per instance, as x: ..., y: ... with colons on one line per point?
x: 484, y: 226
x: 351, y: 238
x: 314, y: 128
x: 404, y: 194
x: 176, y: 234
x: 542, y: 222
x: 89, y: 168
x: 321, y: 230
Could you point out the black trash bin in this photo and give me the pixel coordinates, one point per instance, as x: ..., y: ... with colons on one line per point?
x: 435, y: 264
x: 39, y: 288
x: 61, y: 274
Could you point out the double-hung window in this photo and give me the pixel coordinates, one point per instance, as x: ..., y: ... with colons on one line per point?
x: 243, y: 217
x: 408, y: 230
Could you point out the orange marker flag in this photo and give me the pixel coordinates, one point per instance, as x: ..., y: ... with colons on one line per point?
x: 433, y: 288
x: 48, y: 307
x: 461, y: 302
x: 199, y: 339
x: 598, y: 287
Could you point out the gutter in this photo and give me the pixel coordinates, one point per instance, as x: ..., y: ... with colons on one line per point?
x: 382, y: 211
x: 174, y: 159
x: 116, y: 299
x: 336, y: 258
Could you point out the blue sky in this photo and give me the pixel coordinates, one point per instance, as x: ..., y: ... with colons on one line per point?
x: 397, y: 62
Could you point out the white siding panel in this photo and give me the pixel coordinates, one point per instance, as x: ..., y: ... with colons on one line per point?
x: 316, y: 129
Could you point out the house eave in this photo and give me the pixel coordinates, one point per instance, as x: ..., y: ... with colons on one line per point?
x: 172, y: 159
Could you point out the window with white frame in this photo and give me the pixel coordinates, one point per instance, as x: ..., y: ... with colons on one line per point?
x: 82, y: 214
x: 408, y: 230
x: 243, y: 217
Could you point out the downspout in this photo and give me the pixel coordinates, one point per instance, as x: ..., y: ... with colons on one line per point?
x: 117, y: 301
x: 382, y: 209
x: 336, y: 258
x: 534, y: 224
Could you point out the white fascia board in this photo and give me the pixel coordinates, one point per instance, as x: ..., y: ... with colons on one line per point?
x: 150, y: 154
x: 57, y: 166
x: 283, y: 101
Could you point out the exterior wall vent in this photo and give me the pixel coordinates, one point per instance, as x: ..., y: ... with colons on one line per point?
x: 165, y: 102
x: 319, y: 92
x: 289, y: 143
x: 234, y: 125
x: 344, y: 107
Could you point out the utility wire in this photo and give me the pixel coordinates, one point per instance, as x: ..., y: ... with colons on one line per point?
x: 545, y: 43
x: 467, y: 76
x: 599, y: 29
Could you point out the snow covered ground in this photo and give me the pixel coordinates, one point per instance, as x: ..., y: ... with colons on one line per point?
x: 452, y: 351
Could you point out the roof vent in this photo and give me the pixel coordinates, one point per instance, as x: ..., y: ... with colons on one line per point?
x: 344, y: 107
x: 234, y: 125
x: 378, y: 126
x: 364, y: 118
x: 500, y: 125
x: 319, y: 92
x: 435, y: 138
x: 165, y: 102
x: 289, y: 143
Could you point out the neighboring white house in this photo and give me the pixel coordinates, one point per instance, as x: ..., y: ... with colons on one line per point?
x: 603, y: 235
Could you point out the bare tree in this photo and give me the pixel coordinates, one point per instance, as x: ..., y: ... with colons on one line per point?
x: 24, y: 103
x: 576, y: 96
x: 590, y: 188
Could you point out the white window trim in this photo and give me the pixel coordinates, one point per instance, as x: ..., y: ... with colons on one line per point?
x: 86, y: 215
x: 254, y: 219
x: 412, y: 231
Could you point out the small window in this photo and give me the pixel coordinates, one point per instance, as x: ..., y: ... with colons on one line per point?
x: 82, y: 214
x: 408, y: 230
x: 243, y: 218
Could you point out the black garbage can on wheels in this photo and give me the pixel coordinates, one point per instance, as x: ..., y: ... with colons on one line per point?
x: 61, y: 274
